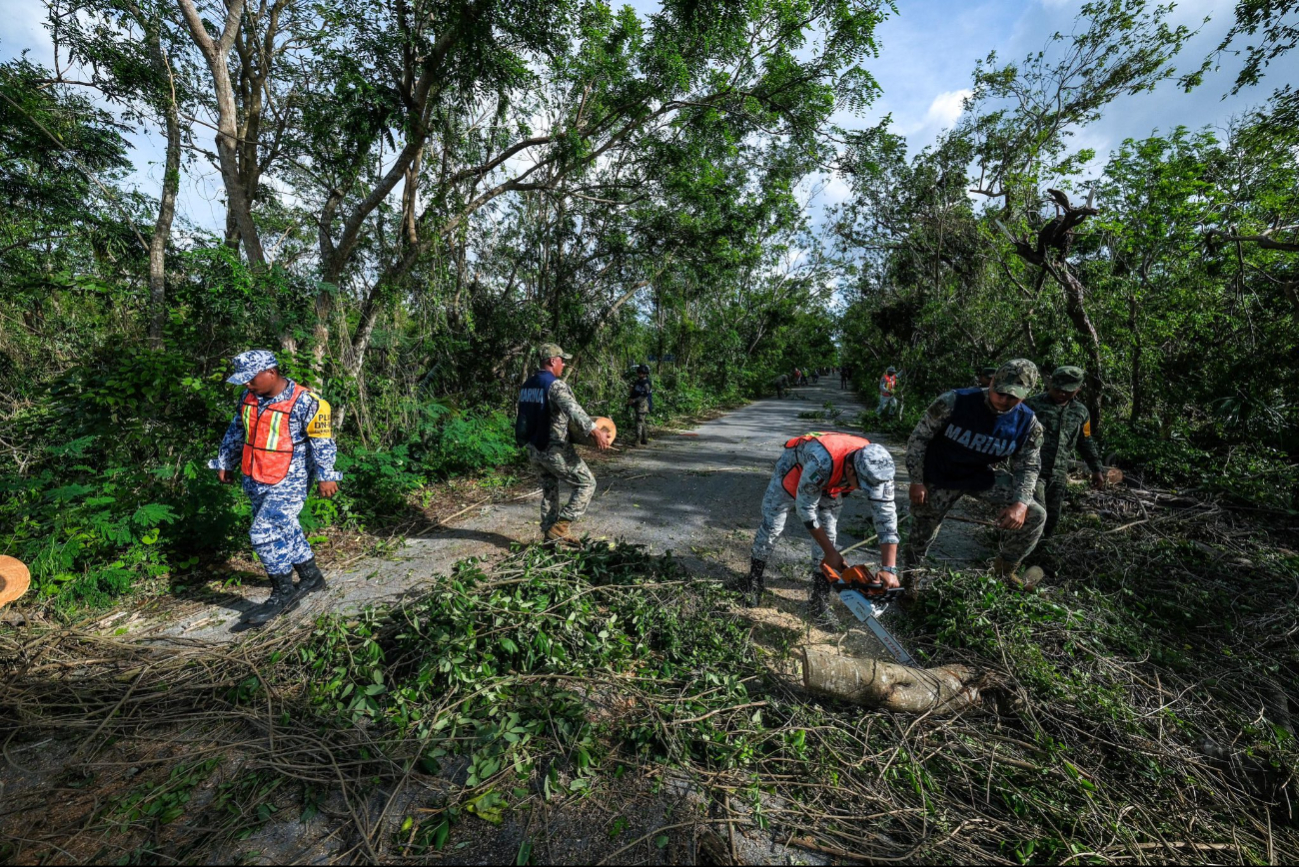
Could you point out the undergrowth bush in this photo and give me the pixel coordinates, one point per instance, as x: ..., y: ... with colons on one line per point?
x: 1250, y: 472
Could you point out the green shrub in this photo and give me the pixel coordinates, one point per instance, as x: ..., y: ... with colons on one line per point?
x: 1251, y: 472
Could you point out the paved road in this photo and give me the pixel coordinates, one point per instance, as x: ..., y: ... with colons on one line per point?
x: 696, y: 493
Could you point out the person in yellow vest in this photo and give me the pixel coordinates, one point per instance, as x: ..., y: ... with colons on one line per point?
x: 811, y: 477
x: 888, y: 391
x: 279, y: 439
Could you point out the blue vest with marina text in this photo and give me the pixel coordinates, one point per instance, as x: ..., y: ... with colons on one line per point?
x: 532, y: 424
x: 961, y: 456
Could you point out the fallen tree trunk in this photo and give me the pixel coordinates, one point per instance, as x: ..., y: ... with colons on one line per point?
x: 877, y: 683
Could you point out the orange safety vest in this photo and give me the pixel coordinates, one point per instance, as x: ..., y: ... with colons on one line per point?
x: 268, y: 442
x: 839, y: 446
x: 889, y: 385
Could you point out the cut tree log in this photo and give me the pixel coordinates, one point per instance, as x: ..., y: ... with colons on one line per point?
x: 891, y: 686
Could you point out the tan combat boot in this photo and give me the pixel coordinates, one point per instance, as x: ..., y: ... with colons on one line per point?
x: 1007, y: 572
x: 558, y: 535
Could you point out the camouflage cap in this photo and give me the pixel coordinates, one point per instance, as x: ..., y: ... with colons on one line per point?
x: 249, y: 364
x: 874, y: 465
x: 551, y: 350
x: 1017, y: 377
x: 1068, y: 378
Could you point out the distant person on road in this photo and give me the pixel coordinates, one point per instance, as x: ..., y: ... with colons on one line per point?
x: 983, y: 378
x: 816, y: 376
x: 1066, y: 425
x: 811, y: 477
x: 782, y: 384
x: 641, y: 401
x: 547, y: 412
x: 984, y: 444
x: 845, y: 378
x: 280, y: 438
x: 888, y: 391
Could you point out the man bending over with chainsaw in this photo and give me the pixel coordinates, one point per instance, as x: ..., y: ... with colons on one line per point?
x: 811, y: 477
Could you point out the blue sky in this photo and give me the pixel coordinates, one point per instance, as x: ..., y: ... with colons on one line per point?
x: 928, y: 51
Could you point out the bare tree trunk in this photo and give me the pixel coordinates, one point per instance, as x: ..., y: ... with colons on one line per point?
x: 1077, y: 312
x: 1138, y: 408
x: 167, y: 203
x: 410, y: 199
x: 364, y: 332
x: 238, y: 205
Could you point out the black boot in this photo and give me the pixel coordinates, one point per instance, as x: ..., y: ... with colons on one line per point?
x: 746, y: 583
x: 312, y: 579
x: 283, y: 599
x: 818, y: 604
x: 757, y: 582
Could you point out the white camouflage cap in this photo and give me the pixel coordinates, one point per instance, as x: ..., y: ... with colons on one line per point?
x: 874, y: 465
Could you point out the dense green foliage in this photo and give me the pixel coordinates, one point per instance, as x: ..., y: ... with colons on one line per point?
x: 416, y: 195
x: 1177, y: 294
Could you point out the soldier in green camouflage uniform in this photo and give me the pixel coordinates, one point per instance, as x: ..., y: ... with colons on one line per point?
x: 641, y: 400
x: 980, y: 443
x: 782, y: 384
x: 558, y: 461
x: 1066, y: 425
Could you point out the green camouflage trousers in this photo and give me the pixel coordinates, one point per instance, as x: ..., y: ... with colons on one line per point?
x: 926, y: 520
x: 561, y: 463
x: 1051, y: 493
x: 642, y: 421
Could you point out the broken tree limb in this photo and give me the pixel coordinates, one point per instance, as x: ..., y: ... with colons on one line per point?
x: 878, y: 683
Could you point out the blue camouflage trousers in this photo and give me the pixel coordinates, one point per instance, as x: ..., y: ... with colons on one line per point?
x: 276, y: 535
x: 776, y: 506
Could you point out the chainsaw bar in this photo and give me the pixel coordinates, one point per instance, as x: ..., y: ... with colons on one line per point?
x: 868, y: 611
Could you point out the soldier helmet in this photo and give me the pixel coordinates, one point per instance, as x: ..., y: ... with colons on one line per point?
x: 1068, y: 378
x: 1017, y: 377
x: 249, y: 364
x: 642, y: 368
x: 874, y: 465
x: 988, y: 371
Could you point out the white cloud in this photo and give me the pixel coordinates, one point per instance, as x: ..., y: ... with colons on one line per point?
x: 945, y: 108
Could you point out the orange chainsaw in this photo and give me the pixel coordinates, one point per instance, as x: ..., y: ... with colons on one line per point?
x: 867, y: 598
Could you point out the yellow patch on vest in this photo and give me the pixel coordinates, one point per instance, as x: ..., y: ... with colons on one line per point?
x: 320, y: 426
x: 1087, y: 428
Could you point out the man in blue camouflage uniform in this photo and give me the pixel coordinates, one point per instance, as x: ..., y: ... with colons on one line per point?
x: 817, y: 503
x: 276, y: 535
x: 987, y: 445
x: 548, y: 415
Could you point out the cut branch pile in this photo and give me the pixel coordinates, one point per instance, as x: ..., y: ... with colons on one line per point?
x: 559, y: 683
